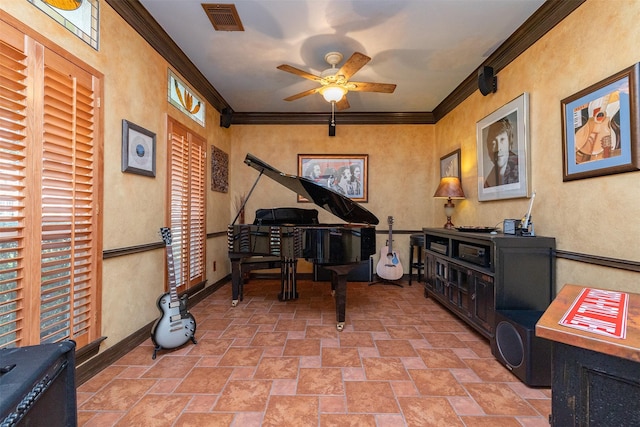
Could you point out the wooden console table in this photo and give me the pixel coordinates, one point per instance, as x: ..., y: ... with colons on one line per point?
x: 595, y: 378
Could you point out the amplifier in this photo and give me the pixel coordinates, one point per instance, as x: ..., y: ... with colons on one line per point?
x: 37, y: 385
x: 474, y: 254
x: 438, y: 247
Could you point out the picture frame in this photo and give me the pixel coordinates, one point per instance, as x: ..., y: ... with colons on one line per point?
x: 600, y: 128
x: 324, y: 170
x: 504, y: 163
x: 219, y: 170
x: 450, y: 164
x: 138, y: 149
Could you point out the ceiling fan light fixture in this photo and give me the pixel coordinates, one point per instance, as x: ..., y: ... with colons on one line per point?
x: 333, y: 93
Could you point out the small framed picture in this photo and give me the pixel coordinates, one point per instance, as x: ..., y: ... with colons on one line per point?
x: 138, y: 150
x: 600, y: 128
x: 503, y: 152
x: 450, y: 164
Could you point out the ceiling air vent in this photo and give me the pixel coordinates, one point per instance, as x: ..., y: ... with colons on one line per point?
x: 224, y: 17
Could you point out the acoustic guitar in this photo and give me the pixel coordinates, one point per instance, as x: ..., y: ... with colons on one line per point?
x: 597, y: 137
x: 389, y: 266
x: 176, y: 326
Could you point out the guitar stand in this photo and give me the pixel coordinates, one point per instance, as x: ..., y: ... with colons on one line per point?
x: 157, y: 347
x: 386, y: 282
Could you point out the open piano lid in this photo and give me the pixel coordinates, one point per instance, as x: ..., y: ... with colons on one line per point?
x: 339, y: 205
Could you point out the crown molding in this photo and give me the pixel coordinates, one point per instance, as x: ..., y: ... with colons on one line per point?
x: 550, y: 14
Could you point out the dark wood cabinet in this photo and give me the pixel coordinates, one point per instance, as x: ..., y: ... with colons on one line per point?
x: 595, y: 377
x: 593, y: 389
x: 475, y: 274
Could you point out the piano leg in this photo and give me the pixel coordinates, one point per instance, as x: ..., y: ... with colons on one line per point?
x: 236, y: 281
x: 339, y: 290
x: 288, y: 284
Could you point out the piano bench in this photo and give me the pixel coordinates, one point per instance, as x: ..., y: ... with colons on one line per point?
x: 241, y: 266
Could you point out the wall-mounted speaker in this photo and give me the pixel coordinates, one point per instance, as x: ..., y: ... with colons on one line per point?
x: 225, y: 117
x: 487, y: 82
x: 332, y: 128
x: 516, y: 346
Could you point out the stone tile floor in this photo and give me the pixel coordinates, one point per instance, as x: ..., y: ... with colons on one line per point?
x: 402, y: 360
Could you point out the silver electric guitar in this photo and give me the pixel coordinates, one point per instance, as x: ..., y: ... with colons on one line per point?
x: 176, y: 326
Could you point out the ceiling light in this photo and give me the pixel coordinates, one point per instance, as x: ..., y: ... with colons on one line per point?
x: 333, y: 93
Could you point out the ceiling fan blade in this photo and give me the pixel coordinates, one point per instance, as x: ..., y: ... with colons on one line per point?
x: 353, y: 64
x: 372, y: 87
x: 302, y: 94
x: 298, y: 72
x: 343, y: 104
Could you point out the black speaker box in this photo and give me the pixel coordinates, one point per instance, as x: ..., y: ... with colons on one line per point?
x: 516, y: 346
x: 225, y: 117
x: 332, y: 128
x: 487, y: 82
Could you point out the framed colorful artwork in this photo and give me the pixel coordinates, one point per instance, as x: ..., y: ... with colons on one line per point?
x: 600, y: 128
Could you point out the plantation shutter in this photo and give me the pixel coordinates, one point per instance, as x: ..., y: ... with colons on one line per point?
x: 68, y: 252
x: 50, y: 248
x: 14, y: 298
x: 197, y: 203
x: 187, y: 204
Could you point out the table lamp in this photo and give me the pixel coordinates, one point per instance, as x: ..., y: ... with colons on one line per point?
x: 449, y: 188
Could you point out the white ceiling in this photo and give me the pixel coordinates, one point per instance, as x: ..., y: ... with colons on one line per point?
x: 426, y: 47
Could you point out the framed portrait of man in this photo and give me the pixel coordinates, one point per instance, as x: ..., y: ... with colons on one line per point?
x: 503, y: 152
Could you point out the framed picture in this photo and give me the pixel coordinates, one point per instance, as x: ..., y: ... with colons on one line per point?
x: 600, y: 128
x: 503, y: 152
x: 138, y: 150
x: 219, y: 170
x: 344, y: 173
x: 450, y: 164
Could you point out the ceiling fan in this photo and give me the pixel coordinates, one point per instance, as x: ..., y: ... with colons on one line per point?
x: 334, y: 82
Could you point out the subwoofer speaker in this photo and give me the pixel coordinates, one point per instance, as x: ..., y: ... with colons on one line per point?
x: 332, y: 128
x: 225, y: 117
x: 516, y: 346
x: 487, y: 82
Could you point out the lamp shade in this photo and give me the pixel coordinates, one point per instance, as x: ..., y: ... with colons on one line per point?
x: 333, y: 93
x: 449, y: 187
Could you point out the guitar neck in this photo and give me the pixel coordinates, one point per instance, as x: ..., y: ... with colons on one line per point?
x: 390, y: 240
x: 173, y: 292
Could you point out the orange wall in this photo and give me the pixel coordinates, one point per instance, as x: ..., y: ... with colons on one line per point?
x: 401, y: 170
x: 593, y: 216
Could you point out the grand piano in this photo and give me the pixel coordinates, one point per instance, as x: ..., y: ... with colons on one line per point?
x: 284, y: 237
